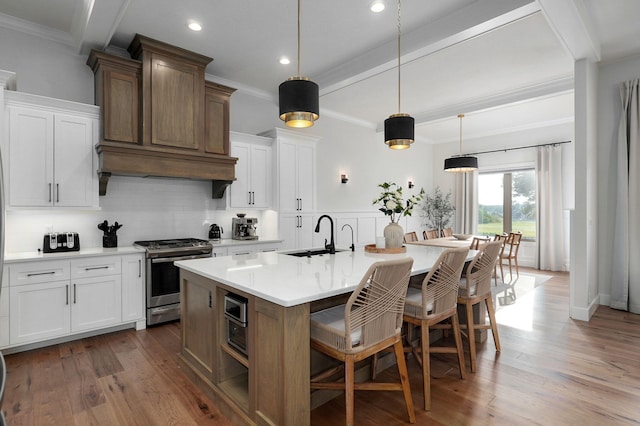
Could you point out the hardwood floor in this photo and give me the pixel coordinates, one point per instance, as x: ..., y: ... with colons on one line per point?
x: 552, y: 370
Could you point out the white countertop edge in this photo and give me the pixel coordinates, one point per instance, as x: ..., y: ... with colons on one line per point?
x: 94, y: 251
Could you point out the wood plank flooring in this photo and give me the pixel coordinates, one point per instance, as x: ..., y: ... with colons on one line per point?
x: 551, y: 371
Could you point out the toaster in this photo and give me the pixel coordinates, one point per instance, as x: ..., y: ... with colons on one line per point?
x: 55, y: 242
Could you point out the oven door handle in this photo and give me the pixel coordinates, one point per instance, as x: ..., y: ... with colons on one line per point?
x: 172, y: 259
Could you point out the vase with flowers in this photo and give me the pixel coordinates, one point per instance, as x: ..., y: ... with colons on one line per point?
x: 392, y: 204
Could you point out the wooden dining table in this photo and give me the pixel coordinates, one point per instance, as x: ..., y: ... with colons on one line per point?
x: 449, y: 242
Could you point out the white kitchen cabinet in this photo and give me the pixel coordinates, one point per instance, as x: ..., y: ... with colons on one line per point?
x: 51, y: 153
x: 39, y: 311
x: 252, y: 188
x: 96, y: 302
x: 295, y: 159
x: 58, y: 298
x: 296, y: 231
x: 219, y: 252
x: 4, y: 309
x: 242, y: 249
x: 133, y: 288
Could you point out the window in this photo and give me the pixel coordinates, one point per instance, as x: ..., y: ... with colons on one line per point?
x: 507, y: 203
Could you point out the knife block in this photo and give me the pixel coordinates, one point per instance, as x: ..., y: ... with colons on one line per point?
x: 109, y: 241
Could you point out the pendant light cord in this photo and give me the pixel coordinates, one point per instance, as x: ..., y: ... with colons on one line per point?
x: 299, y: 38
x: 460, y: 116
x: 399, y: 56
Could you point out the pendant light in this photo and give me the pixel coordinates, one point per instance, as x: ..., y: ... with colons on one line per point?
x: 461, y: 163
x: 399, y: 127
x: 298, y: 97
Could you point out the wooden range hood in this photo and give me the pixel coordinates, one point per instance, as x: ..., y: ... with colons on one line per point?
x: 159, y: 117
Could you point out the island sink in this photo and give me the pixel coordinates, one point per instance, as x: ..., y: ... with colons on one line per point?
x: 312, y: 252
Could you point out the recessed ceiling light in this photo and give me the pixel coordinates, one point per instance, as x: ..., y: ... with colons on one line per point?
x: 194, y: 26
x: 377, y: 6
x: 285, y: 61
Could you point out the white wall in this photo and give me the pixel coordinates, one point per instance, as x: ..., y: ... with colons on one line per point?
x: 610, y: 77
x: 155, y: 208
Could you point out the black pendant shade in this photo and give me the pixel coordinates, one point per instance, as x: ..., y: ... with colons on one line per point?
x: 399, y: 131
x: 461, y: 164
x: 299, y: 102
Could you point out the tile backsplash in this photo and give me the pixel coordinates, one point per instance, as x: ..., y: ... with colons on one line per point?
x: 148, y: 208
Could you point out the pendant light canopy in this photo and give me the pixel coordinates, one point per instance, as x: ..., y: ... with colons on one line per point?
x: 461, y: 163
x: 399, y: 128
x: 298, y: 97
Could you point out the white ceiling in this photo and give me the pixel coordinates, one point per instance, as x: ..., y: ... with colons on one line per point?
x: 506, y: 64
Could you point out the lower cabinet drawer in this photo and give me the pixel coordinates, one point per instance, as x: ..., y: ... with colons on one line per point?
x: 95, y: 267
x: 38, y: 272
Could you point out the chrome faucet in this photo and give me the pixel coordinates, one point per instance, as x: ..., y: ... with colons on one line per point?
x: 352, y: 246
x: 331, y: 246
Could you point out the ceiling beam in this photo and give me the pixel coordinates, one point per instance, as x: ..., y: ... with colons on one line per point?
x: 569, y: 21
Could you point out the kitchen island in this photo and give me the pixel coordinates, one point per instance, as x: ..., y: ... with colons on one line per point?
x: 270, y: 383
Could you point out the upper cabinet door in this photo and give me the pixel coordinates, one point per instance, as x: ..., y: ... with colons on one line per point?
x: 260, y: 176
x: 240, y: 192
x: 288, y: 192
x: 73, y: 160
x: 306, y: 177
x: 51, y: 159
x: 30, y: 166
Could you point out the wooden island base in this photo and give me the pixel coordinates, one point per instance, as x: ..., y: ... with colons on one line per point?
x: 268, y: 386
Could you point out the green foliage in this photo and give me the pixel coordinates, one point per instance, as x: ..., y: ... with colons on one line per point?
x: 437, y: 210
x: 391, y: 201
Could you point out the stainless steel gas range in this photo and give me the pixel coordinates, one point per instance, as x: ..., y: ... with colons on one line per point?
x: 163, y: 278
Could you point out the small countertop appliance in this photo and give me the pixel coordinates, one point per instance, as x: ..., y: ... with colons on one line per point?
x: 244, y: 228
x: 55, y: 242
x: 215, y: 233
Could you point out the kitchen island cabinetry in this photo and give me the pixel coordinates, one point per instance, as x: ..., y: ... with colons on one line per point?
x: 51, y: 153
x: 60, y: 298
x: 271, y: 384
x: 253, y: 171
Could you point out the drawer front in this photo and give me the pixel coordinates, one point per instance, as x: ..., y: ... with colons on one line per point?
x: 96, y: 267
x: 38, y: 272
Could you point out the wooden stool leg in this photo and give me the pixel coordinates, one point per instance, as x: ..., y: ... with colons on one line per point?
x: 426, y: 366
x: 456, y: 335
x: 374, y: 366
x: 404, y: 378
x: 515, y: 259
x: 494, y: 325
x: 471, y: 334
x: 349, y: 388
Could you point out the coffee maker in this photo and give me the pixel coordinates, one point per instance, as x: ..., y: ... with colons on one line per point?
x: 244, y: 228
x: 215, y: 233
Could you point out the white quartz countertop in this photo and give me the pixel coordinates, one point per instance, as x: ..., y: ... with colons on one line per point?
x: 290, y: 281
x: 95, y: 251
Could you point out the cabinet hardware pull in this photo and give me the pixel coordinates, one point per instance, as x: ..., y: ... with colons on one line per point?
x: 249, y: 196
x: 96, y: 267
x: 67, y: 292
x: 74, y: 294
x: 33, y: 274
x: 57, y: 192
x: 139, y: 268
x: 210, y: 303
x: 50, y: 194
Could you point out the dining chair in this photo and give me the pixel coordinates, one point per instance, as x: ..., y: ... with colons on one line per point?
x: 510, y: 253
x: 503, y: 239
x: 370, y: 322
x: 447, y: 232
x: 430, y: 234
x: 410, y: 236
x: 477, y: 242
x: 434, y: 302
x: 474, y: 288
